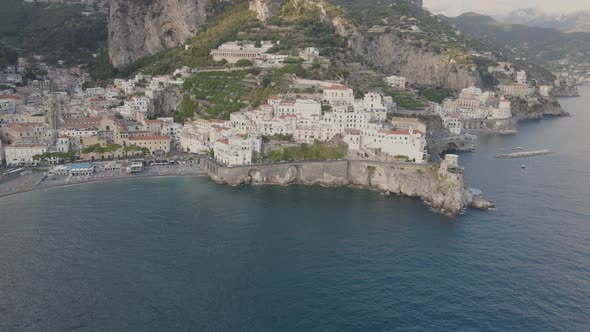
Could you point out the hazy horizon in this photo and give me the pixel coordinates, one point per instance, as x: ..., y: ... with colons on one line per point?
x: 499, y: 7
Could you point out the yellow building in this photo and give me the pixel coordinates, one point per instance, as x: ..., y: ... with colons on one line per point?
x: 158, y: 145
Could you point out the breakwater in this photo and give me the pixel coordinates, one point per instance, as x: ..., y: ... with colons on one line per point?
x: 440, y: 185
x: 524, y: 154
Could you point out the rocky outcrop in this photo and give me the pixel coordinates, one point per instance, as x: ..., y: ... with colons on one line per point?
x: 142, y: 27
x: 265, y: 9
x: 440, y: 185
x: 536, y: 108
x: 565, y: 91
x: 394, y: 55
x: 166, y: 102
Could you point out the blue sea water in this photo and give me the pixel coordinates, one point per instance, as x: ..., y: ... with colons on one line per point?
x: 187, y: 254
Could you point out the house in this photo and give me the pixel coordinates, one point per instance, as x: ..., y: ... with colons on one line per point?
x: 20, y: 154
x: 398, y: 82
x: 237, y: 150
x: 337, y: 94
x: 158, y: 145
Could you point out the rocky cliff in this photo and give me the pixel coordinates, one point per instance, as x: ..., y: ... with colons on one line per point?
x: 441, y: 186
x: 422, y: 66
x: 142, y: 27
x: 536, y: 109
x: 265, y: 9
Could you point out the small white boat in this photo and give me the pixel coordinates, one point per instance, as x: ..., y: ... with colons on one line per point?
x: 523, y: 166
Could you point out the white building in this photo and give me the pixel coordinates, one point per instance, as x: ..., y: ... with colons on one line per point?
x: 521, y: 77
x: 237, y: 150
x: 452, y: 123
x: 338, y: 94
x: 309, y: 54
x: 303, y: 108
x: 398, y: 82
x: 232, y: 52
x: 372, y: 101
x: 516, y: 90
x: 503, y: 111
x: 198, y: 136
x: 19, y: 154
x: 402, y: 144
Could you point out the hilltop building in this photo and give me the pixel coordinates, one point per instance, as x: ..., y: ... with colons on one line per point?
x: 398, y: 82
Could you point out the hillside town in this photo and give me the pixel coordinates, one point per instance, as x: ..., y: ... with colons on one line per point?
x: 57, y: 120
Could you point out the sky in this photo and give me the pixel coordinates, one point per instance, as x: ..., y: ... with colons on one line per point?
x: 495, y: 7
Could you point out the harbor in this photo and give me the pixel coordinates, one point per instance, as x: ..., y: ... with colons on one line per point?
x: 524, y: 154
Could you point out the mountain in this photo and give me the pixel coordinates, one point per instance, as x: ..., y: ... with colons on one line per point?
x: 397, y: 37
x: 571, y: 22
x: 59, y: 32
x: 548, y: 47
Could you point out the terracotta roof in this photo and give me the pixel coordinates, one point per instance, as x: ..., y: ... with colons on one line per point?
x: 27, y: 145
x: 224, y: 141
x: 337, y: 87
x: 11, y: 97
x: 149, y: 138
x: 402, y: 132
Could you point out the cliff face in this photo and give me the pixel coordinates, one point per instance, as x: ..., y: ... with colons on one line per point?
x: 443, y: 189
x: 265, y: 9
x: 421, y: 66
x: 142, y: 27
x: 532, y: 110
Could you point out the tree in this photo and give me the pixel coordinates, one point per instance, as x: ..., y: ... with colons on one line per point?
x: 244, y: 63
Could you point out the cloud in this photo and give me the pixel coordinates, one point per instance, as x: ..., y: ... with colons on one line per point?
x: 457, y: 7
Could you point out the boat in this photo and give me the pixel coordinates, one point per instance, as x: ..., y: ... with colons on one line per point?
x: 523, y: 166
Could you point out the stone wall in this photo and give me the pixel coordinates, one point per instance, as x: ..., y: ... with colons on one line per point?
x: 442, y: 185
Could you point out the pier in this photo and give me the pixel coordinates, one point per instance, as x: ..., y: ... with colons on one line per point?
x: 524, y: 154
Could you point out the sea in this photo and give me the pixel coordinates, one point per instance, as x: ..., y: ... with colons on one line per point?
x: 185, y: 254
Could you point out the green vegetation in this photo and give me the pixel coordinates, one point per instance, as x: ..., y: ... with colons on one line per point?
x: 59, y: 156
x: 97, y: 148
x: 134, y: 148
x: 315, y: 151
x: 59, y: 32
x: 436, y: 95
x: 221, y: 93
x: 223, y: 27
x: 404, y: 98
x: 243, y: 63
x: 188, y: 106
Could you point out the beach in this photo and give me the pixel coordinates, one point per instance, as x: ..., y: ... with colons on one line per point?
x: 39, y: 180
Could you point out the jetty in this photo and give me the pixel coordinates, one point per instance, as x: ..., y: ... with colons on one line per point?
x: 524, y: 154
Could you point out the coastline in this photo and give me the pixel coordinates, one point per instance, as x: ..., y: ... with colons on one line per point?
x: 440, y: 185
x: 100, y: 180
